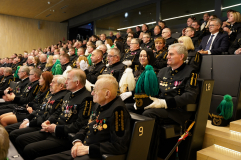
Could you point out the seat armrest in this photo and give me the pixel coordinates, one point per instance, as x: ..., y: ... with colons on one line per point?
x: 191, y: 107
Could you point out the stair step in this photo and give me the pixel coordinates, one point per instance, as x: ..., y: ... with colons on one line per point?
x: 221, y: 136
x: 235, y: 126
x: 216, y: 152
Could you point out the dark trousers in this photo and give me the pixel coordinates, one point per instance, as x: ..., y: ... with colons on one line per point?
x: 37, y: 144
x: 66, y: 155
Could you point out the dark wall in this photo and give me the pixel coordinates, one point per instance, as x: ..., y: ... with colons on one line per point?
x: 114, y: 7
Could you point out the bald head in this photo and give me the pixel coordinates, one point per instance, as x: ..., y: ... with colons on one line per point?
x: 105, y: 89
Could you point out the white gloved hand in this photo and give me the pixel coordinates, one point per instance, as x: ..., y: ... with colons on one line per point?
x: 125, y: 95
x: 83, y: 65
x: 135, y: 106
x: 157, y: 103
x: 127, y: 62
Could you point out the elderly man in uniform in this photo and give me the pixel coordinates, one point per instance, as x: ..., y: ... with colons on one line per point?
x: 134, y: 53
x: 75, y: 112
x: 115, y: 68
x: 49, y: 110
x: 167, y: 35
x: 147, y: 42
x: 30, y: 61
x: 104, y: 49
x: 65, y: 61
x: 8, y: 77
x: 73, y: 57
x: 42, y: 59
x: 97, y: 68
x: 178, y: 87
x: 93, y: 140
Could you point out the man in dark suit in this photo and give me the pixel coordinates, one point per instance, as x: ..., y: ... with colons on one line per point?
x: 217, y: 42
x: 167, y: 35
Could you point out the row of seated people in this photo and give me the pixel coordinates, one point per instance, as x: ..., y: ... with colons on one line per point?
x: 52, y: 107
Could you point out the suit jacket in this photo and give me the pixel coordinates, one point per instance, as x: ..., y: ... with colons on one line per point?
x: 220, y: 44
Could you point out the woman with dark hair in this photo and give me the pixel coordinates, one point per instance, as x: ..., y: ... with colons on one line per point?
x: 21, y: 113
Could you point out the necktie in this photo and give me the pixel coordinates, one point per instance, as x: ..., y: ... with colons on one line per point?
x: 209, y: 43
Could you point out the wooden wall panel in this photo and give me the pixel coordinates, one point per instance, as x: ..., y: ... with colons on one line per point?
x: 18, y: 34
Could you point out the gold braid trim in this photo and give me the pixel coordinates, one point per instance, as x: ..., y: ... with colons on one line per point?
x: 122, y: 121
x: 141, y: 96
x: 191, y: 83
x: 58, y: 104
x: 35, y: 89
x: 9, y: 81
x: 86, y: 103
x: 195, y: 79
x: 90, y: 108
x: 195, y: 58
x: 217, y: 116
x: 165, y: 56
x: 116, y: 121
x: 102, y: 70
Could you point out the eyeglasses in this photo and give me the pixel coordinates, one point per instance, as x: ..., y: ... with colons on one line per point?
x: 164, y: 32
x: 135, y: 43
x: 212, y: 25
x: 31, y: 74
x: 110, y: 56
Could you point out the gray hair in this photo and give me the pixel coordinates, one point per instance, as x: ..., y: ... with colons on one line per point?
x: 8, y: 70
x: 147, y: 34
x: 79, y: 76
x: 61, y: 79
x: 116, y: 52
x: 103, y: 45
x: 137, y: 40
x: 31, y: 57
x: 217, y: 20
x: 37, y: 72
x: 180, y: 48
x: 56, y: 56
x: 25, y: 69
x: 98, y: 43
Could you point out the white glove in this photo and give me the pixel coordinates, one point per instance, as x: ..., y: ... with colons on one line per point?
x: 135, y: 106
x: 125, y: 95
x: 127, y: 62
x: 157, y: 103
x: 83, y: 65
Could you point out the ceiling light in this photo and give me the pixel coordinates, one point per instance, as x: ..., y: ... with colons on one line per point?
x: 139, y: 12
x: 126, y: 15
x: 232, y: 6
x: 48, y: 2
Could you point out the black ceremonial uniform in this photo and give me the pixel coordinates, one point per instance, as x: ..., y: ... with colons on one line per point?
x: 126, y: 48
x: 235, y: 28
x: 149, y: 45
x: 15, y: 66
x: 20, y: 86
x: 156, y: 36
x: 194, y: 59
x: 47, y: 68
x: 235, y: 45
x: 137, y: 34
x: 133, y: 56
x: 5, y: 82
x: 31, y: 65
x: 170, y: 41
x: 44, y: 111
x: 195, y: 41
x: 105, y: 58
x: 161, y: 59
x: 75, y: 112
x: 107, y: 132
x: 72, y: 60
x: 65, y: 66
x: 41, y: 66
x: 28, y: 94
x: 116, y: 70
x: 94, y: 71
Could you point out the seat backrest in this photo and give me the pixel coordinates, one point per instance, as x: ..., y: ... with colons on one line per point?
x: 226, y: 72
x: 141, y: 137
